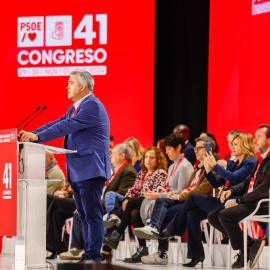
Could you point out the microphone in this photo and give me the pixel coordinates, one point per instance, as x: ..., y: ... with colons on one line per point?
x: 44, y: 108
x: 28, y: 116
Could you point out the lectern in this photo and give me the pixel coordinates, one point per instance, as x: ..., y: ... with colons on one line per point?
x: 30, y: 245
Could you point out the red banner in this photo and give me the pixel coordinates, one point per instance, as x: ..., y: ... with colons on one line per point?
x: 8, y: 185
x: 238, y: 94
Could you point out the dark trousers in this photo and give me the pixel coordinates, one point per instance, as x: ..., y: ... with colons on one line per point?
x: 226, y: 221
x: 59, y: 210
x: 132, y: 216
x: 87, y: 196
x: 163, y: 212
x: 77, y: 240
x: 163, y: 208
x: 189, y: 217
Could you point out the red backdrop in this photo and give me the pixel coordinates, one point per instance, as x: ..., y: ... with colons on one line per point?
x: 239, y: 55
x: 112, y: 39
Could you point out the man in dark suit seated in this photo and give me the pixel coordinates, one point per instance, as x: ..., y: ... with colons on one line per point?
x: 123, y: 178
x: 189, y: 148
x: 249, y: 193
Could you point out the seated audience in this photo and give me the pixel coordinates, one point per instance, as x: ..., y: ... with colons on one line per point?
x: 161, y: 146
x: 189, y: 148
x: 229, y: 156
x: 211, y: 135
x: 137, y: 151
x: 53, y: 171
x: 249, y: 193
x: 197, y: 206
x: 123, y: 178
x: 166, y: 208
x: 152, y: 176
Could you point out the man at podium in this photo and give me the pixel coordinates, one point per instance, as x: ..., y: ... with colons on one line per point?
x: 86, y: 129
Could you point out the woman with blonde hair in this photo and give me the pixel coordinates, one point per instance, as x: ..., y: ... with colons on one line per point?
x: 137, y: 152
x: 197, y: 206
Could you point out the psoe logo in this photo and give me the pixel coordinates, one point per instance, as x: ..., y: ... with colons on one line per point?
x: 260, y: 6
x: 30, y: 32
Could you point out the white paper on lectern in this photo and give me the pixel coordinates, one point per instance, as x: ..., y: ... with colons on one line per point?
x: 51, y: 149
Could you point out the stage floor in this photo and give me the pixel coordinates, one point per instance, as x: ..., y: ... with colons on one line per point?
x: 7, y: 261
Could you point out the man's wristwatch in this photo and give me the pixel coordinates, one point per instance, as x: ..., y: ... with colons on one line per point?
x: 237, y: 200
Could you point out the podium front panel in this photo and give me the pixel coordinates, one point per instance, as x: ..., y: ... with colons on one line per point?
x: 8, y: 182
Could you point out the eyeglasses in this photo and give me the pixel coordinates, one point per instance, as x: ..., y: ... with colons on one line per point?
x: 198, y: 148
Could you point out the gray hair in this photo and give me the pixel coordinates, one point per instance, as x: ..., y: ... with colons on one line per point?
x: 84, y: 77
x: 125, y: 149
x: 206, y: 140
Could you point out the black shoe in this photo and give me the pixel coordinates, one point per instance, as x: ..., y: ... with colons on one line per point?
x: 165, y: 234
x: 239, y: 263
x: 85, y: 258
x: 225, y: 241
x: 194, y: 262
x: 106, y: 257
x: 113, y: 240
x: 52, y: 256
x: 255, y: 251
x: 136, y: 258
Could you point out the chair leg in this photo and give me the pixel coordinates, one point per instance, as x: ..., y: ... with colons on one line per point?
x: 217, y: 233
x: 179, y: 250
x: 245, y: 245
x: 210, y: 246
x: 70, y: 234
x: 127, y: 244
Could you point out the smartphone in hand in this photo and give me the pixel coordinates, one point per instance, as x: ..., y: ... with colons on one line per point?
x: 208, y: 148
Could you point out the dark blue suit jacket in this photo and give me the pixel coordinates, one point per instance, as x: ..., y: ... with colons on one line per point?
x: 189, y: 153
x: 88, y: 133
x: 234, y: 176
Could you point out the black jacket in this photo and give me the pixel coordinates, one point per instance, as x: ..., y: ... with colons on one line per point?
x: 261, y: 186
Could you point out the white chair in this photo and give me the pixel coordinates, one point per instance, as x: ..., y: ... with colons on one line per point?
x: 253, y: 217
x: 68, y: 225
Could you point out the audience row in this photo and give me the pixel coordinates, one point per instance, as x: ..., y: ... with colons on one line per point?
x: 160, y: 204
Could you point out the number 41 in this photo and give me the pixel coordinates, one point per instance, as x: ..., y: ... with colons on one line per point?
x: 7, y: 175
x: 87, y: 24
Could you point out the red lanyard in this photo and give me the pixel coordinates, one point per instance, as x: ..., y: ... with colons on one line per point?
x: 173, y: 171
x: 109, y: 181
x: 194, y: 181
x: 196, y: 164
x: 252, y: 181
x: 144, y: 177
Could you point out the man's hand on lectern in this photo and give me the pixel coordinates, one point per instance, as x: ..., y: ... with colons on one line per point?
x: 27, y: 136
